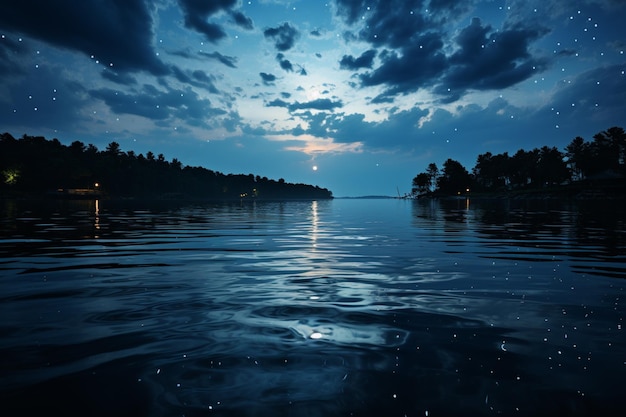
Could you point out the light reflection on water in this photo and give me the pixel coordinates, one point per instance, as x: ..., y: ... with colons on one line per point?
x: 384, y: 307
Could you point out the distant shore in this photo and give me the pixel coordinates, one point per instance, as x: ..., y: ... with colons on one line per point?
x: 582, y: 190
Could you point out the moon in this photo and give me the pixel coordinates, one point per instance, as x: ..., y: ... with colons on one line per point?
x: 314, y: 167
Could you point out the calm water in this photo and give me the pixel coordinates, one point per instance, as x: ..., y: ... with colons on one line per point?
x: 329, y: 308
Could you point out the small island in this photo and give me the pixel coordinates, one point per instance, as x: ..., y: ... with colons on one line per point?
x: 586, y: 170
x: 33, y: 166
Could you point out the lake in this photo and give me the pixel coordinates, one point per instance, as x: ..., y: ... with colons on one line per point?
x: 325, y: 308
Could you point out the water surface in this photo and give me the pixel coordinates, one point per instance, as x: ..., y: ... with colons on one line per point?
x: 323, y: 308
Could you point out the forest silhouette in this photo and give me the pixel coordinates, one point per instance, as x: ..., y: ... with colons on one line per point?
x: 598, y: 164
x: 35, y: 166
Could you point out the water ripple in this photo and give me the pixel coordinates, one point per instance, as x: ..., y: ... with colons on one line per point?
x: 341, y: 307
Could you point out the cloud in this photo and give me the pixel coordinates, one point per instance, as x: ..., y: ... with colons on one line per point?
x: 495, y: 61
x: 118, y: 78
x: 366, y: 60
x: 196, y: 78
x: 284, y: 36
x: 318, y: 104
x: 598, y: 94
x: 155, y: 104
x: 10, y: 49
x: 117, y: 33
x: 400, y: 130
x: 242, y: 20
x: 417, y: 67
x: 284, y: 63
x: 197, y: 13
x: 268, y: 79
x: 419, y: 50
x: 59, y: 108
x: 278, y: 103
x: 391, y: 23
x: 229, y: 61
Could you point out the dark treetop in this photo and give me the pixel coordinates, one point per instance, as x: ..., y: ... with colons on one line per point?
x: 33, y: 166
x: 598, y: 166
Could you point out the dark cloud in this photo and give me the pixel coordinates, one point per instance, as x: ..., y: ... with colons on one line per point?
x: 115, y: 32
x: 443, y: 11
x: 10, y: 56
x: 284, y: 36
x: 592, y: 93
x: 146, y: 104
x: 351, y: 10
x: 319, y: 104
x: 242, y: 20
x: 229, y: 61
x: 316, y: 33
x: 118, y: 78
x: 365, y: 60
x: 566, y: 52
x: 413, y: 49
x: 184, y: 53
x: 197, y: 13
x: 268, y: 79
x: 400, y: 130
x: 232, y: 121
x: 155, y: 104
x: 317, y: 124
x: 288, y: 66
x: 197, y: 78
x: 417, y: 67
x: 491, y: 61
x: 284, y: 63
x: 278, y: 103
x: 60, y: 108
x: 391, y: 23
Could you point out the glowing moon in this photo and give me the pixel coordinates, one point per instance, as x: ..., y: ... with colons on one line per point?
x: 314, y: 167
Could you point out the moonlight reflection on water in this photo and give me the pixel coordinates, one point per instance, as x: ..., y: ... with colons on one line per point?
x: 363, y: 307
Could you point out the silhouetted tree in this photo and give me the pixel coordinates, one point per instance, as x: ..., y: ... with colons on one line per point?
x: 78, y: 147
x: 433, y: 174
x: 578, y: 155
x: 421, y: 183
x: 551, y: 168
x: 540, y: 167
x: 523, y: 166
x: 113, y: 148
x: 176, y: 164
x: 454, y: 178
x: 492, y: 171
x: 609, y: 149
x: 34, y: 164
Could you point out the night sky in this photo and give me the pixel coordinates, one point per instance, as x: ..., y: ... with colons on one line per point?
x: 355, y: 96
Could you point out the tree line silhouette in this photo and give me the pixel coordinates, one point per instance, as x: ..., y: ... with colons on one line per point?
x: 33, y: 165
x: 602, y: 159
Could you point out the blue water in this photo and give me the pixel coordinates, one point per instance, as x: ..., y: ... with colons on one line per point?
x: 323, y: 308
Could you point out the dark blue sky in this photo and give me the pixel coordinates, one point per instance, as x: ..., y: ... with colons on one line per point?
x: 368, y: 92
